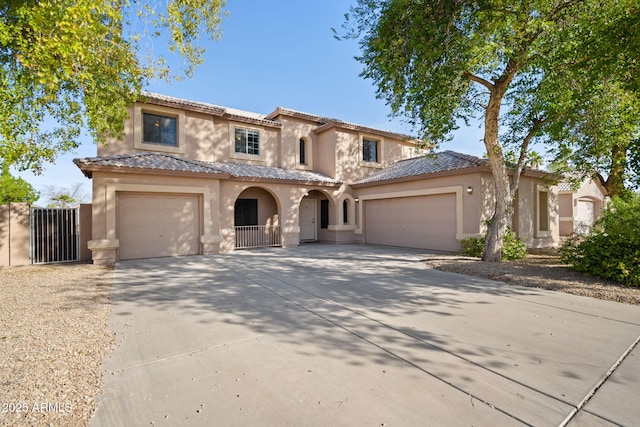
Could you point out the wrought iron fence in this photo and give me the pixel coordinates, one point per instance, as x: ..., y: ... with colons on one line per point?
x: 257, y: 236
x: 55, y: 235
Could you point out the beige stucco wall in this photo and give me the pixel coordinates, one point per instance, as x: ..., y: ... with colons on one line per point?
x: 86, y: 219
x: 292, y: 130
x: 335, y: 152
x: 278, y: 204
x: 568, y: 203
x: 201, y: 137
x: 14, y: 234
x: 527, y: 218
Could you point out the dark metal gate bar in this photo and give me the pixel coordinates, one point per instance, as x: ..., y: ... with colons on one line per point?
x: 55, y: 235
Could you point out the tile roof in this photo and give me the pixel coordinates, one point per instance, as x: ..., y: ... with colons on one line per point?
x: 153, y: 161
x: 169, y: 162
x: 210, y: 108
x: 325, y: 123
x: 439, y: 162
x: 242, y: 170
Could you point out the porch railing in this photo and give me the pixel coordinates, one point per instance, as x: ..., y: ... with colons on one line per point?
x: 257, y: 236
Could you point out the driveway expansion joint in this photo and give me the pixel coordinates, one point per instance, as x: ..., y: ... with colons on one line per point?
x: 600, y: 383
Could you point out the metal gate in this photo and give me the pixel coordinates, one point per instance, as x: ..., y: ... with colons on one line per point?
x: 55, y: 235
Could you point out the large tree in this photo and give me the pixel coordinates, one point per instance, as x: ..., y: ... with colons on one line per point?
x: 440, y: 61
x: 70, y: 65
x: 15, y: 190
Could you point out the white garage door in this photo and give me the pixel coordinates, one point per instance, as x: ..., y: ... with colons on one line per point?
x: 426, y: 222
x: 154, y: 225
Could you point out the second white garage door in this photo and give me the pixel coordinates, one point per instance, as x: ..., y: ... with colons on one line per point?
x: 426, y: 222
x: 153, y: 225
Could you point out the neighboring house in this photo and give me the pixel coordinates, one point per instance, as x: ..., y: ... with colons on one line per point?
x: 195, y: 178
x: 580, y: 205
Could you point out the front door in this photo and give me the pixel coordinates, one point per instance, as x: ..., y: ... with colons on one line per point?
x: 308, y: 220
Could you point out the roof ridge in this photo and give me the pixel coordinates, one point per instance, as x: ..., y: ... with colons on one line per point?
x: 220, y: 110
x: 467, y: 157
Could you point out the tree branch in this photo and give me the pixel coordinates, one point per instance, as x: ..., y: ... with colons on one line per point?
x: 480, y: 80
x: 535, y: 127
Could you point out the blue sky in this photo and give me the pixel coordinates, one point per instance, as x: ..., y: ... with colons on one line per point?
x: 276, y: 54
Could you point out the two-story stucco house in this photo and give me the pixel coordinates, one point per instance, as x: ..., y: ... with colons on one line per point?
x: 194, y: 178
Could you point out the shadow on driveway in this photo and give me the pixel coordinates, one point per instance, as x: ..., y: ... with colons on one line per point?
x: 352, y: 334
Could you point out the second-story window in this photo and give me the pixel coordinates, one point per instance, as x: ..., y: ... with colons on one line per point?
x: 370, y: 150
x: 160, y: 130
x: 247, y: 141
x: 303, y: 152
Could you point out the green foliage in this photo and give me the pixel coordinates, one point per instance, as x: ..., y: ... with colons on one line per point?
x: 513, y: 248
x: 552, y: 64
x: 472, y: 246
x: 612, y: 251
x: 68, y: 65
x: 16, y: 190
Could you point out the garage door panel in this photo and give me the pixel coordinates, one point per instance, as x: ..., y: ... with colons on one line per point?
x: 426, y: 222
x: 152, y: 226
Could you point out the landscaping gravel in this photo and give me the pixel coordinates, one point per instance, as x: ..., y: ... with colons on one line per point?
x: 539, y: 271
x: 54, y: 329
x: 53, y: 339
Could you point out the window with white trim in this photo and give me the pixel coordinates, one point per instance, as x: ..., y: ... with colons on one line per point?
x: 247, y: 141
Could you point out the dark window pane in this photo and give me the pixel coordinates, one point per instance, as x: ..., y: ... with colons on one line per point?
x: 159, y: 130
x: 345, y: 212
x: 369, y: 150
x: 241, y: 141
x: 324, y: 213
x: 303, y: 152
x: 246, y: 212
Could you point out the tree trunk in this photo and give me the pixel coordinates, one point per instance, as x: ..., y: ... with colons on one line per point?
x: 504, y: 200
x: 615, y: 180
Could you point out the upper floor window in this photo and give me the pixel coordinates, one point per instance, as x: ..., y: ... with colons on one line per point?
x: 160, y: 130
x: 303, y: 151
x: 370, y: 150
x: 247, y: 141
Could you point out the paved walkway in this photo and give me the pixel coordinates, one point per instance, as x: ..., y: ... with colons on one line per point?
x: 358, y: 335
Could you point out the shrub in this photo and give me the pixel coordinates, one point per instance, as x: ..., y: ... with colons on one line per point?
x: 472, y: 246
x: 612, y: 251
x: 512, y: 247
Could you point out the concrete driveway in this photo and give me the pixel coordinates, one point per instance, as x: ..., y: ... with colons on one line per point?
x: 358, y: 335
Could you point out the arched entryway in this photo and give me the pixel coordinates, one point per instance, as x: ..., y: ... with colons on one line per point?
x: 256, y: 219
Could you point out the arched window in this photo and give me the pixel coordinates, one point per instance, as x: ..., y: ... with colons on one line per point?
x: 345, y: 211
x: 303, y: 151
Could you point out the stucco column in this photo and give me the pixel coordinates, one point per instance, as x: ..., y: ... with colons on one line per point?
x: 290, y: 219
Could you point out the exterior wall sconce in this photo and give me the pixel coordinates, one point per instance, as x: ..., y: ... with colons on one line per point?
x: 356, y: 200
x: 469, y: 190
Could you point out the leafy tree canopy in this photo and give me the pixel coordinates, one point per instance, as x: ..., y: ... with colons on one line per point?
x: 525, y: 67
x: 70, y: 65
x: 15, y: 190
